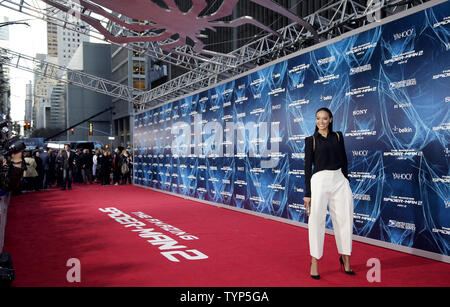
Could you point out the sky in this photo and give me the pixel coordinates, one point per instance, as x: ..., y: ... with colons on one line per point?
x: 29, y: 41
x: 26, y: 40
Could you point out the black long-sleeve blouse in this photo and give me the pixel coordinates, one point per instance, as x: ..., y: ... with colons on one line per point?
x: 329, y: 154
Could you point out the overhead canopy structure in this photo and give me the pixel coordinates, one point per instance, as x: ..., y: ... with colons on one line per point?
x: 70, y: 76
x: 160, y: 29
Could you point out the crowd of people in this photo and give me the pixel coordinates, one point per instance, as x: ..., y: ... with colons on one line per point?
x: 52, y: 168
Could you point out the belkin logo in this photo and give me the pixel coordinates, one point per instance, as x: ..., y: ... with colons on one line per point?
x: 402, y: 130
x: 404, y: 34
x: 402, y: 176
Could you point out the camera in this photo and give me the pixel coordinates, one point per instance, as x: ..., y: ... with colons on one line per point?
x: 9, y: 145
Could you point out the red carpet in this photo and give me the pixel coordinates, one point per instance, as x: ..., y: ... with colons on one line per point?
x: 47, y: 228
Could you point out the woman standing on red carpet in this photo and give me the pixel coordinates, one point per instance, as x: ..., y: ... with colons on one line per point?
x: 328, y: 184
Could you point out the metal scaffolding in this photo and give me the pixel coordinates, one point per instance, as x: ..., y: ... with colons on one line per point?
x: 332, y: 20
x: 346, y: 15
x: 69, y: 76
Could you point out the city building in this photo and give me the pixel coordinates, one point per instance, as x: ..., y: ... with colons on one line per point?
x: 80, y: 104
x: 56, y: 114
x: 63, y: 42
x: 4, y: 31
x: 137, y: 71
x: 41, y: 96
x: 50, y: 95
x: 52, y: 39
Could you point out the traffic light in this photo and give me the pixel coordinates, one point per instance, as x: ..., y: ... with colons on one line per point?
x: 27, y: 126
x: 91, y: 129
x: 72, y: 131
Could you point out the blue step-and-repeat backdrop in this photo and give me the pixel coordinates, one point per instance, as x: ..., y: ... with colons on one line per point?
x: 242, y: 143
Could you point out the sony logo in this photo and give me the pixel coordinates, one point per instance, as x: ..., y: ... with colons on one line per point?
x: 359, y: 112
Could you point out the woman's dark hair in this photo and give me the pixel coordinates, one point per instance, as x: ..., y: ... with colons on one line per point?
x: 330, y: 126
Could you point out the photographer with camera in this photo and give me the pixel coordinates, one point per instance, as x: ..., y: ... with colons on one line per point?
x: 11, y: 173
x: 12, y: 162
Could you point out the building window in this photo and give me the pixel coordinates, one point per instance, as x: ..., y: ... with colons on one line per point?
x: 139, y: 84
x: 139, y: 68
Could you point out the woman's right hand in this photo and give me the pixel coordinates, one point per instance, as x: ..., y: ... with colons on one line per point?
x: 307, y: 202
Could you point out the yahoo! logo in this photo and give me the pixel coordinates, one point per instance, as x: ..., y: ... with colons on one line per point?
x: 360, y: 153
x: 211, y: 139
x: 402, y: 176
x: 404, y: 34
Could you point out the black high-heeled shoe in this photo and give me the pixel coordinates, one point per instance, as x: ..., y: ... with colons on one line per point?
x: 350, y: 272
x: 316, y: 277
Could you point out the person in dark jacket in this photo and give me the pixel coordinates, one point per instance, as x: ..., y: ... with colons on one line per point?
x: 86, y: 166
x: 52, y: 168
x: 125, y: 161
x: 12, y: 179
x: 77, y: 167
x: 39, y: 169
x: 45, y: 157
x: 68, y: 163
x: 117, y: 164
x: 106, y: 167
x: 59, y: 168
x: 96, y: 160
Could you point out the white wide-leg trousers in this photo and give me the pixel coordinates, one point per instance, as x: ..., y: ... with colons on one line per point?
x: 332, y: 188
